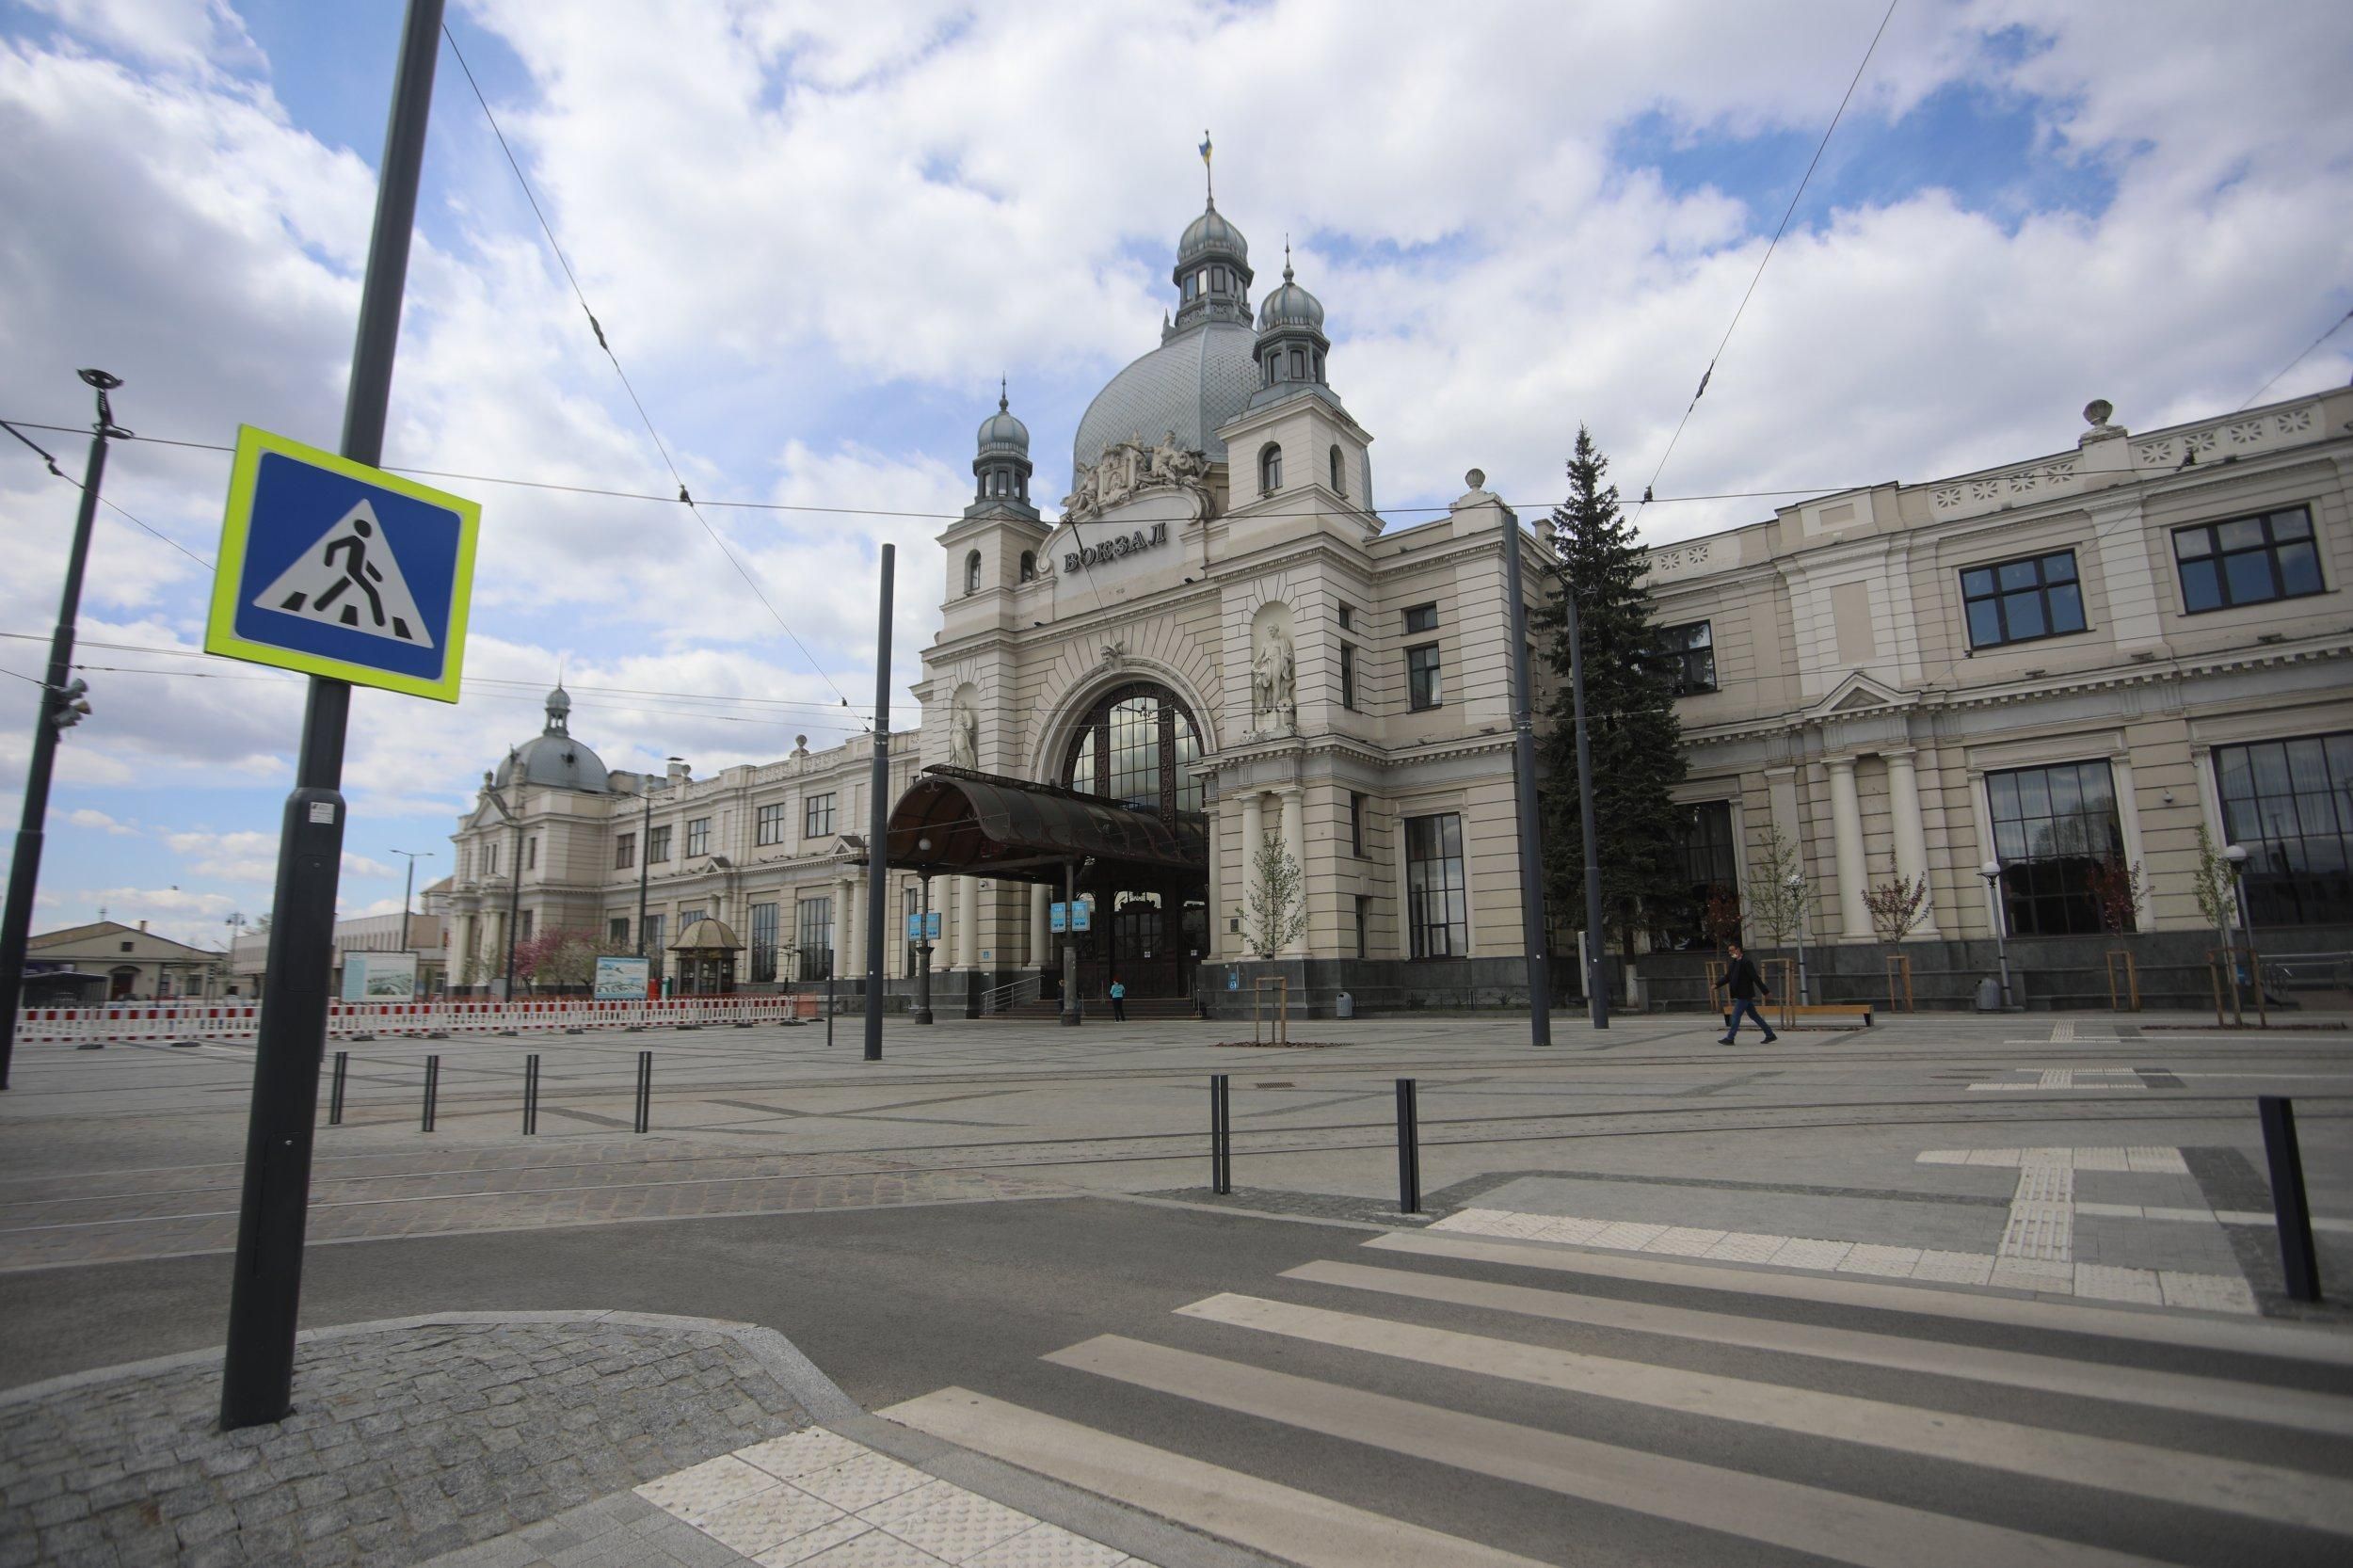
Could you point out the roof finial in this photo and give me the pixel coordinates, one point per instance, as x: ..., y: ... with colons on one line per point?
x: 1208, y: 176
x: 1287, y: 258
x: 1001, y: 403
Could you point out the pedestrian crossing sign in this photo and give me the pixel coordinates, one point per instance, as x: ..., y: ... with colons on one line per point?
x: 332, y: 567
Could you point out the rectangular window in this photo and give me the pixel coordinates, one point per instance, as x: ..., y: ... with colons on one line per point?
x: 531, y: 853
x: 524, y: 924
x: 2289, y: 804
x: 817, y: 816
x: 813, y: 919
x: 1423, y: 688
x: 1437, y: 906
x: 1357, y: 825
x: 1348, y: 617
x: 2051, y: 826
x: 765, y: 941
x: 698, y: 835
x: 658, y: 845
x: 490, y: 859
x: 2017, y: 602
x: 1364, y: 926
x: 617, y: 931
x: 1711, y: 874
x: 1348, y: 676
x: 769, y: 825
x: 1689, y: 654
x: 2248, y: 560
x: 654, y: 929
x: 624, y: 850
x: 1421, y: 618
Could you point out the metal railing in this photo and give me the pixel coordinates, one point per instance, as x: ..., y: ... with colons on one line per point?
x: 235, y: 1022
x: 1004, y: 998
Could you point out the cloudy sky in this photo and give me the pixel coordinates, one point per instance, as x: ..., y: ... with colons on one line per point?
x: 817, y: 234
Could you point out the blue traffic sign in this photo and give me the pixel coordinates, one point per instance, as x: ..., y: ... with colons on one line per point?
x: 336, y: 568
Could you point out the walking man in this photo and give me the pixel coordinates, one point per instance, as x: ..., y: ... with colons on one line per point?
x: 1119, y: 1003
x: 1745, y: 985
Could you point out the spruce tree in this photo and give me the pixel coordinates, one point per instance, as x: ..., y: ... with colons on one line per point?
x: 1630, y: 720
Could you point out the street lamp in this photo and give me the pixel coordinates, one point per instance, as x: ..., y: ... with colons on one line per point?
x: 1991, y: 872
x: 1797, y: 895
x: 414, y: 855
x: 924, y: 941
x: 2237, y: 855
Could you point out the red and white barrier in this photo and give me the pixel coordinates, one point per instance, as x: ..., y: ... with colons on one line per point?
x: 131, y: 1023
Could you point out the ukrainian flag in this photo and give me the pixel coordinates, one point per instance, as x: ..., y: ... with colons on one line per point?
x: 1205, y: 147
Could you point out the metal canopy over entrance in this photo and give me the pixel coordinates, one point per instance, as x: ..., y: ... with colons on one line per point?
x: 979, y: 824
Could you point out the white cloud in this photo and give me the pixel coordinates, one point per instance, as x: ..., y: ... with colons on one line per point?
x: 101, y: 822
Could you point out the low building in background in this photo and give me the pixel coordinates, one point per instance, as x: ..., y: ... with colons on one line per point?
x: 122, y: 962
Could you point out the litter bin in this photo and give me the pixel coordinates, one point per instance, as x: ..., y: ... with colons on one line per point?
x: 1347, y: 1006
x: 1988, y: 995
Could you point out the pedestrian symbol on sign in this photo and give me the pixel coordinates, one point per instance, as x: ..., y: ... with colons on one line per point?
x: 350, y: 579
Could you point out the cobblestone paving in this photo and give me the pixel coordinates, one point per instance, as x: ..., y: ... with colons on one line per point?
x: 407, y: 1441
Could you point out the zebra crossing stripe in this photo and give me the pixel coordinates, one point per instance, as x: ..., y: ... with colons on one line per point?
x: 1298, y: 1527
x: 1827, y: 1523
x: 2304, y: 1410
x: 2134, y: 1469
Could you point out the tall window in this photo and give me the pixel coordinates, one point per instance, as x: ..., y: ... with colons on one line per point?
x: 2016, y: 602
x: 1423, y: 687
x: 490, y: 858
x: 817, y: 816
x: 624, y: 850
x: 1339, y: 472
x: 1137, y: 744
x: 2248, y: 560
x: 688, y: 916
x: 1357, y: 825
x: 768, y: 825
x: 531, y: 853
x: 698, y: 835
x: 1029, y: 565
x: 813, y: 919
x: 1688, y: 653
x: 523, y: 923
x: 1348, y: 676
x: 2051, y: 826
x: 1438, y: 908
x: 1711, y: 862
x: 617, y: 931
x: 763, y: 941
x: 658, y: 845
x: 1270, y: 468
x: 1364, y: 926
x: 2289, y: 804
x: 972, y: 572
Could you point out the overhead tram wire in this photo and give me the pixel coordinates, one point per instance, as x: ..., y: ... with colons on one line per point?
x: 685, y: 496
x: 12, y: 429
x: 2334, y: 328
x: 1765, y: 260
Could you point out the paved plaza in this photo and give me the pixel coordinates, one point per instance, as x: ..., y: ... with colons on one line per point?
x: 992, y: 1266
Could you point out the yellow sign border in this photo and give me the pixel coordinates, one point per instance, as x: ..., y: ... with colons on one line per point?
x: 221, y: 636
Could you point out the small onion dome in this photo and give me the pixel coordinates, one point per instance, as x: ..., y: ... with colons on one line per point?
x: 1290, y: 306
x: 559, y: 705
x: 1001, y: 432
x: 707, y: 935
x: 1210, y: 234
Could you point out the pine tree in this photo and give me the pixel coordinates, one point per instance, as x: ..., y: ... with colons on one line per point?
x: 1630, y: 720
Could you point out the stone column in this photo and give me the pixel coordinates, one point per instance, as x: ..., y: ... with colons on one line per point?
x: 1846, y: 822
x: 1253, y: 835
x: 1912, y: 838
x: 968, y: 922
x: 1041, y: 939
x: 1295, y: 845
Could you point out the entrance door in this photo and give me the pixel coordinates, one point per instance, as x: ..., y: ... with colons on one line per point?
x: 121, y: 982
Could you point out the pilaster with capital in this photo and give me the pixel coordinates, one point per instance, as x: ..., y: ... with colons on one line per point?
x: 1912, y: 838
x: 1846, y: 822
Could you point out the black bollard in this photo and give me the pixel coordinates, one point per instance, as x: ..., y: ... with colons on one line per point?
x: 432, y: 1088
x: 644, y: 1089
x: 531, y: 1094
x: 335, y: 1091
x: 1408, y: 1149
x: 2297, y: 1261
x: 1221, y: 1134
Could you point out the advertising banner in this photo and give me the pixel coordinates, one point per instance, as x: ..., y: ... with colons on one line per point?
x: 622, y: 979
x: 379, y: 977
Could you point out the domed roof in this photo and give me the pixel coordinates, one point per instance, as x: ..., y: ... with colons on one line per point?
x: 1290, y: 306
x: 1191, y: 384
x: 1001, y: 432
x: 552, y: 758
x: 1211, y: 233
x: 707, y: 935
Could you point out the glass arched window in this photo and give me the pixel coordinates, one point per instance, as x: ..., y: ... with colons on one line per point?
x: 1029, y: 565
x: 1136, y: 745
x: 1270, y: 468
x: 1339, y: 472
x: 972, y: 572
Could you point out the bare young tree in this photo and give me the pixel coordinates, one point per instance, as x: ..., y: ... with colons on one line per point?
x: 1276, y: 908
x: 1898, y: 909
x: 2117, y: 893
x: 1779, y: 894
x: 2213, y: 883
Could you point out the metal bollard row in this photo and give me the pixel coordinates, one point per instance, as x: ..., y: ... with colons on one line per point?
x: 432, y: 1088
x: 644, y: 1089
x: 1221, y: 1134
x: 2294, y: 1215
x: 531, y: 1095
x: 335, y: 1093
x: 1408, y: 1147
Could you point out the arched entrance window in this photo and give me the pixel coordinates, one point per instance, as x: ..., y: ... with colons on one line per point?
x: 1136, y: 744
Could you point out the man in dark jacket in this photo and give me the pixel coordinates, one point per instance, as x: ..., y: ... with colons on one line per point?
x: 1745, y: 985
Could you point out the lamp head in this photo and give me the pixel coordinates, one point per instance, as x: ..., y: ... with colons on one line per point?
x: 1990, y: 870
x: 923, y: 846
x: 2235, y: 854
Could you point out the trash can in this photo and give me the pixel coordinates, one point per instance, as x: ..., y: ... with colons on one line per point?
x: 1988, y: 995
x: 1346, y: 1008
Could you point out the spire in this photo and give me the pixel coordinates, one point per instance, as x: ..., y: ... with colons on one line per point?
x: 1208, y: 176
x: 1002, y: 405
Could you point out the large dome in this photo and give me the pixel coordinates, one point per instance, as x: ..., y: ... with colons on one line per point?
x: 552, y: 758
x: 1191, y: 384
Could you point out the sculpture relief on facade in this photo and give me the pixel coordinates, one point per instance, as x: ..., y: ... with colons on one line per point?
x: 964, y: 731
x: 1128, y: 469
x: 1273, y: 684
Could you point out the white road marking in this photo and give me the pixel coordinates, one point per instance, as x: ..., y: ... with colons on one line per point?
x: 2302, y: 1409
x: 2264, y: 1492
x: 1802, y: 1518
x: 1298, y: 1527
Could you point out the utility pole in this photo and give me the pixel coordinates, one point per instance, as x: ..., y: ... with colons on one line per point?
x: 62, y: 704
x: 257, y: 1374
x: 1596, y: 981
x: 414, y: 855
x: 1523, y: 782
x: 878, y: 817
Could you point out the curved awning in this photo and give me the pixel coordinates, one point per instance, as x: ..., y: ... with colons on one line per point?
x: 979, y: 824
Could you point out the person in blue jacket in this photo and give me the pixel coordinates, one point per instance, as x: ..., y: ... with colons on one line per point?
x: 1119, y: 1003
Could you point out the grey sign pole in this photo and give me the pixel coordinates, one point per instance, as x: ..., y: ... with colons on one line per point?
x: 878, y: 817
x: 1524, y: 780
x: 257, y: 1375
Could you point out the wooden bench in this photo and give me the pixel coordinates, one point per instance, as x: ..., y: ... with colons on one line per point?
x: 1854, y: 1015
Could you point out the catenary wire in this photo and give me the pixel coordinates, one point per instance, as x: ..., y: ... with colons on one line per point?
x: 1787, y: 212
x: 2334, y: 328
x: 635, y: 402
x: 103, y: 501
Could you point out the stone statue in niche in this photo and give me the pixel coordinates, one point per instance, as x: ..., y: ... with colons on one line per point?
x: 1273, y: 684
x: 963, y: 736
